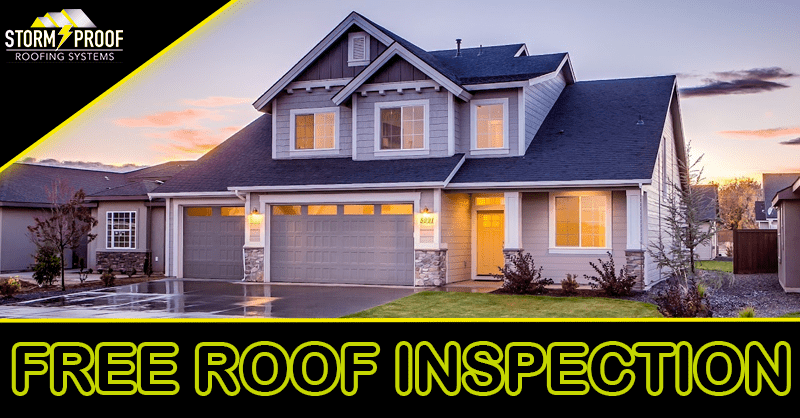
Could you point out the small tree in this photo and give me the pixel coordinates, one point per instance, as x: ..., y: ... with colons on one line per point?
x: 68, y: 222
x: 737, y: 201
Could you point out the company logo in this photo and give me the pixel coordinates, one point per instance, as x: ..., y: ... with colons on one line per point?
x: 48, y: 36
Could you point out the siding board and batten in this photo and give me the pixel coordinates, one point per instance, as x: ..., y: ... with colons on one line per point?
x: 333, y: 62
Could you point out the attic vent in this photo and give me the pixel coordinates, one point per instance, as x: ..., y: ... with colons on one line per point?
x: 358, y: 49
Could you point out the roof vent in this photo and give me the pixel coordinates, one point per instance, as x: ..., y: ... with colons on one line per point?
x: 641, y: 121
x: 480, y: 50
x: 458, y: 47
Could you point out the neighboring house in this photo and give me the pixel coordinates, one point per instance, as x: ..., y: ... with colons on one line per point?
x: 709, y: 214
x: 787, y: 201
x: 24, y: 194
x: 377, y: 162
x: 771, y: 183
x: 766, y: 218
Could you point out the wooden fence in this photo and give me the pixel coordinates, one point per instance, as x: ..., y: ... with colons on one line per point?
x: 755, y: 251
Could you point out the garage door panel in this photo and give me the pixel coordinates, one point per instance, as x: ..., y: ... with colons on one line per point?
x: 353, y: 248
x: 212, y: 244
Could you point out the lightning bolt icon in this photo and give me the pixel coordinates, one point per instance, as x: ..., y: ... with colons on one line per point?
x: 65, y: 33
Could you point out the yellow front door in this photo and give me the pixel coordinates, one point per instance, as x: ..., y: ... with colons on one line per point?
x: 490, y: 242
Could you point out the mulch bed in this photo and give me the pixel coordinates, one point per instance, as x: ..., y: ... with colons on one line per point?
x: 30, y: 290
x: 593, y: 293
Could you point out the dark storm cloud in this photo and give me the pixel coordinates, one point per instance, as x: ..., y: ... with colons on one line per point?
x: 795, y: 141
x: 755, y: 80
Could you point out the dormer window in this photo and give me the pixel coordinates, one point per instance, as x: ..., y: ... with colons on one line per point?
x: 490, y: 126
x: 314, y: 131
x: 358, y: 49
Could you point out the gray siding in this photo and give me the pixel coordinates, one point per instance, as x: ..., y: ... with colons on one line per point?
x: 437, y: 108
x: 536, y: 238
x: 333, y: 62
x: 16, y: 248
x: 465, y: 122
x: 158, y: 215
x: 317, y: 98
x: 397, y: 69
x: 539, y: 99
x: 456, y: 236
x: 665, y: 173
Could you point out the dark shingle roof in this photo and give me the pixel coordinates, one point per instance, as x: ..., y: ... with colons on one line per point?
x: 245, y: 159
x: 497, y: 64
x: 775, y: 182
x: 591, y: 133
x: 29, y: 183
x: 708, y: 199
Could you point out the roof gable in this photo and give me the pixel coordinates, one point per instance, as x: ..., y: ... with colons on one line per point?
x: 352, y: 19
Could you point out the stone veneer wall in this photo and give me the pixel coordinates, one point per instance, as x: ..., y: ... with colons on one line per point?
x: 254, y: 264
x: 430, y: 267
x: 634, y: 264
x: 122, y: 260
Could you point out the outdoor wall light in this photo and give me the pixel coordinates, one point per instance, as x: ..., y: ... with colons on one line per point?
x: 255, y: 217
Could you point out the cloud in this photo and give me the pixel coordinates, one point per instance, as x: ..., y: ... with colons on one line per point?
x: 217, y: 101
x: 170, y: 118
x: 192, y: 141
x: 795, y: 141
x: 755, y: 80
x: 761, y: 133
x: 93, y: 165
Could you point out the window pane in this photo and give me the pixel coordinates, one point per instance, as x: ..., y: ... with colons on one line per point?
x: 390, y: 128
x: 489, y: 126
x: 359, y: 209
x: 286, y: 210
x: 325, y: 128
x: 233, y: 211
x: 322, y: 209
x: 397, y: 209
x: 593, y: 220
x: 567, y: 221
x: 304, y: 131
x: 484, y: 201
x: 198, y: 211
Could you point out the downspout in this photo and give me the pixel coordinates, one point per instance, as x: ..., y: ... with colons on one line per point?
x: 242, y: 198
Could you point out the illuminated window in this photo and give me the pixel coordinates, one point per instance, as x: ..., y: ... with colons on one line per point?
x: 401, y: 126
x: 490, y: 124
x: 322, y: 209
x: 120, y: 229
x: 582, y: 220
x: 285, y: 210
x: 314, y: 129
x: 232, y: 211
x: 198, y: 211
x: 487, y: 201
x: 397, y: 209
x: 359, y: 209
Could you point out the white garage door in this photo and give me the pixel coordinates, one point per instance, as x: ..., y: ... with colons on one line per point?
x: 361, y: 244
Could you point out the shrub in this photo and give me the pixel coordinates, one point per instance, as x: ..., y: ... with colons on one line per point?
x: 523, y: 276
x: 683, y: 298
x: 47, y: 267
x: 570, y: 284
x: 130, y: 272
x: 748, y: 312
x: 611, y: 283
x: 10, y: 286
x: 108, y: 277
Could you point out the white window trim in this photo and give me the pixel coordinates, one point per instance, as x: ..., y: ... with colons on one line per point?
x: 580, y: 250
x: 473, y: 111
x: 351, y: 62
x: 294, y: 152
x: 425, y: 150
x: 133, y: 234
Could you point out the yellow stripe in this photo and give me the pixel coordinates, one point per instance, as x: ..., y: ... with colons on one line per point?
x: 120, y: 83
x: 64, y: 12
x: 51, y: 20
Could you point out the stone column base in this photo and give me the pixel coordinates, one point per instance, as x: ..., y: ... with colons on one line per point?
x: 254, y: 264
x: 122, y: 260
x: 507, y: 253
x: 634, y: 265
x: 430, y: 267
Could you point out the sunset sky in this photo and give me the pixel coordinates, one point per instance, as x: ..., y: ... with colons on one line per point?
x: 738, y: 65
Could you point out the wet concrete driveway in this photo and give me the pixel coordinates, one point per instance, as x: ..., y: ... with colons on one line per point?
x: 185, y: 298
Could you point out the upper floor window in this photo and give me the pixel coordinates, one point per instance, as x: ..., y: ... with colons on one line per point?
x: 314, y: 129
x: 120, y: 229
x: 490, y: 125
x: 358, y: 49
x: 401, y: 126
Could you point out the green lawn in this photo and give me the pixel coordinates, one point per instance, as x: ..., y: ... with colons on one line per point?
x: 726, y: 266
x: 790, y: 315
x: 480, y: 305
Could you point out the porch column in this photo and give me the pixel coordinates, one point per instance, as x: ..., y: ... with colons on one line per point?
x: 634, y: 253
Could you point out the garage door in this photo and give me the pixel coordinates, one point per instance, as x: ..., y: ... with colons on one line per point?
x: 361, y: 244
x: 213, y: 237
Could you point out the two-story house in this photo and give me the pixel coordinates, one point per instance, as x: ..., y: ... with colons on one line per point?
x: 377, y: 162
